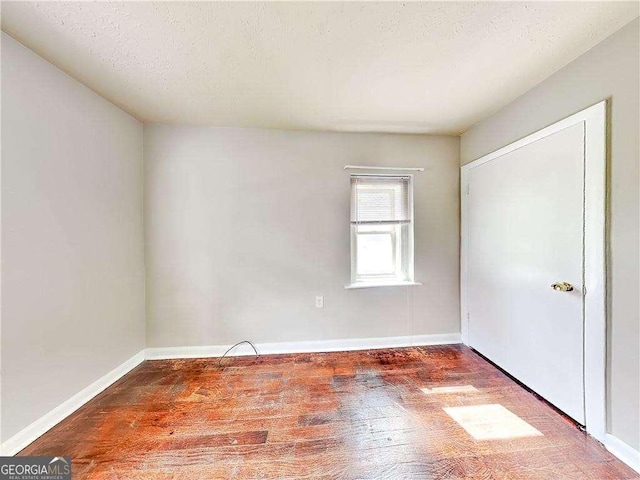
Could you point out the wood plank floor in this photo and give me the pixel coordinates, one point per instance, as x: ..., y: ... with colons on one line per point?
x: 425, y: 412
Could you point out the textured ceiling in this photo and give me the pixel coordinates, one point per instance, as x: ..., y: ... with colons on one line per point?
x: 393, y: 67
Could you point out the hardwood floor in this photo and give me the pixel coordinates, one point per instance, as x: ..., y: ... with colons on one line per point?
x: 377, y: 414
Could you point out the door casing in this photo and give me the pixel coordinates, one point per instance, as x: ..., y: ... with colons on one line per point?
x: 594, y: 119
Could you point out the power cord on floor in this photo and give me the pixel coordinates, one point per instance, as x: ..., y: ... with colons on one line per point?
x: 234, y: 346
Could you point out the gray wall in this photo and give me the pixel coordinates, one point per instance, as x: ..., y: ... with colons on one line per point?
x: 243, y: 227
x: 72, y: 237
x: 609, y: 70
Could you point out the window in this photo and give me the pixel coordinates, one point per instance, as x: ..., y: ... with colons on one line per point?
x: 381, y: 230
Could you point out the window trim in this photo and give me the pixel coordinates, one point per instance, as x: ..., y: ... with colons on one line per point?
x: 356, y: 286
x: 387, y: 280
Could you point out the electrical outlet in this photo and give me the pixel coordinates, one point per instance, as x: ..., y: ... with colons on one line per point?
x: 319, y: 301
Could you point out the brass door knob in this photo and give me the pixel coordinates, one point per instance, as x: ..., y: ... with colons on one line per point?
x: 562, y: 287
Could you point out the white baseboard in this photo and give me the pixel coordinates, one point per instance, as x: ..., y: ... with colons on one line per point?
x: 623, y: 451
x: 161, y: 353
x: 30, y: 433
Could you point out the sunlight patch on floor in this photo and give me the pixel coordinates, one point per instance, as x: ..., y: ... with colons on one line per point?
x: 450, y: 389
x: 491, y: 422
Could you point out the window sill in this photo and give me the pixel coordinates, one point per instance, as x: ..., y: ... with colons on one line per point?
x: 380, y: 284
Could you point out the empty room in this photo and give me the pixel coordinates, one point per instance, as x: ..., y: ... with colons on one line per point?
x: 320, y: 240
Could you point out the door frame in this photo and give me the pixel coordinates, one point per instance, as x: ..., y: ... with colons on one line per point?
x: 594, y: 260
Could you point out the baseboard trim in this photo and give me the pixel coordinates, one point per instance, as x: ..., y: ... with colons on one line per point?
x: 343, y: 345
x: 624, y: 452
x: 30, y: 433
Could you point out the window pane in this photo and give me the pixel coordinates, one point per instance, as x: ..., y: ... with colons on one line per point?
x: 380, y: 199
x: 375, y: 254
x: 375, y: 228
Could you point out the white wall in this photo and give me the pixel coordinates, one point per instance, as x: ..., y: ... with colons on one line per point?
x: 243, y: 227
x: 72, y: 237
x: 609, y: 70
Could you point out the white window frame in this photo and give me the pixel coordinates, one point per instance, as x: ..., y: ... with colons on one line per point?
x: 405, y: 255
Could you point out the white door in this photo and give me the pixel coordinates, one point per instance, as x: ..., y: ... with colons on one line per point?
x: 525, y: 215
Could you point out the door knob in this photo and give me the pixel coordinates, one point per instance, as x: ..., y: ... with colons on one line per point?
x: 562, y: 287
